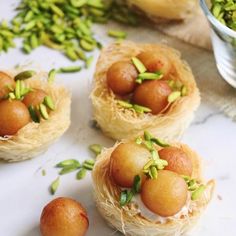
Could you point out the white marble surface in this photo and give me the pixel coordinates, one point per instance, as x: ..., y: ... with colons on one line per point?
x: 24, y: 191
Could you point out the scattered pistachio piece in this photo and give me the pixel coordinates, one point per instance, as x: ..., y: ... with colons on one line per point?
x: 51, y: 76
x: 25, y: 75
x: 141, y: 109
x: 96, y: 148
x: 69, y: 169
x: 124, y: 104
x: 54, y: 186
x: 117, y: 34
x: 49, y: 103
x: 68, y: 162
x: 33, y: 114
x: 198, y: 192
x: 81, y: 174
x: 43, y: 111
x: 139, y: 65
x: 174, y: 96
x: 43, y: 172
x: 150, y: 76
x: 70, y: 69
x: 184, y: 91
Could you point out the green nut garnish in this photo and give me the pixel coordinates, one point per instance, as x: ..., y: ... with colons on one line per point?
x: 225, y: 12
x: 25, y: 75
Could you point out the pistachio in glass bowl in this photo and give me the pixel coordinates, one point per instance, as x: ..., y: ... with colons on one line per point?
x: 221, y: 15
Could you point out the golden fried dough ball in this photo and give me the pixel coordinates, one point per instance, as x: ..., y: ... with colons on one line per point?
x: 64, y: 217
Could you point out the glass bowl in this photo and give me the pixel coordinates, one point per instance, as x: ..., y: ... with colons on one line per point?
x: 224, y: 45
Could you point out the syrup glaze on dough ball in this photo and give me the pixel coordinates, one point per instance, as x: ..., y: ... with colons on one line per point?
x: 165, y: 195
x: 6, y: 81
x: 14, y: 115
x: 153, y: 94
x: 178, y: 161
x: 155, y: 62
x: 34, y: 98
x: 127, y: 161
x: 64, y: 217
x: 121, y: 77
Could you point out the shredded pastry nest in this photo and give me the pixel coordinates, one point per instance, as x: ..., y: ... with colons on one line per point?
x: 118, y: 122
x: 35, y: 138
x: 165, y: 10
x: 128, y: 219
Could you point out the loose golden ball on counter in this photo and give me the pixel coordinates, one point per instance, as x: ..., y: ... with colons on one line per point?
x: 153, y: 94
x: 178, y: 161
x: 64, y: 217
x: 121, y: 77
x: 155, y: 62
x: 165, y: 195
x: 14, y: 115
x: 6, y: 81
x: 127, y: 161
x: 34, y: 98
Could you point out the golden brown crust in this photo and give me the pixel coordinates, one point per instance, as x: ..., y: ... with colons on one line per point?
x: 126, y: 219
x: 119, y: 123
x: 35, y: 138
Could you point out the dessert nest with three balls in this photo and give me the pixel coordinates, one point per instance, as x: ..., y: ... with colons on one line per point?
x: 145, y: 186
x: 141, y: 87
x: 33, y: 114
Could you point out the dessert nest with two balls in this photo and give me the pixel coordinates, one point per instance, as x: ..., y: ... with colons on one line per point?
x: 146, y: 186
x: 141, y: 87
x: 33, y: 114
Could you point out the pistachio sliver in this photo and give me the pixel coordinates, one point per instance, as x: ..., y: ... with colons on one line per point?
x: 137, y: 184
x: 33, y: 114
x: 184, y: 91
x: 124, y: 104
x: 54, y: 186
x: 25, y: 75
x: 141, y: 109
x: 160, y: 142
x: 18, y: 89
x: 96, y: 148
x: 49, y: 103
x: 88, y: 166
x: 68, y: 162
x: 139, y: 65
x: 150, y: 76
x: 43, y: 111
x: 68, y: 169
x: 81, y: 173
x: 117, y: 34
x: 198, y: 192
x: 174, y: 96
x: 138, y: 140
x: 148, y: 164
x: 12, y: 95
x: 123, y: 197
x: 154, y: 172
x: 70, y: 69
x: 51, y: 75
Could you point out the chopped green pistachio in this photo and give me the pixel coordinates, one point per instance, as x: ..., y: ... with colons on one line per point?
x: 70, y: 69
x: 141, y: 109
x: 117, y: 34
x: 51, y: 75
x: 139, y: 65
x: 25, y: 75
x: 174, y: 96
x: 139, y: 140
x: 54, y: 186
x: 43, y: 172
x: 160, y: 142
x: 124, y: 104
x: 184, y: 91
x: 43, y: 111
x: 150, y: 76
x: 68, y: 162
x: 198, y: 192
x: 33, y: 114
x: 96, y: 148
x: 81, y: 173
x: 69, y: 169
x: 49, y: 103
